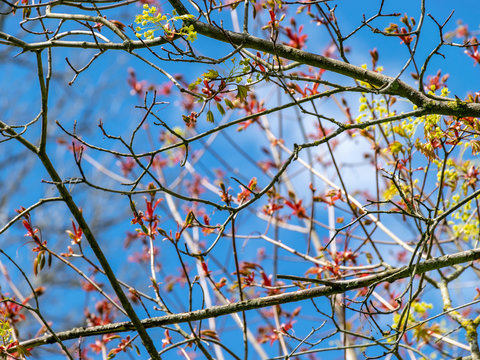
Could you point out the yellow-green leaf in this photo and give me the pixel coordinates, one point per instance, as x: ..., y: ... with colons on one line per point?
x: 220, y: 108
x: 242, y: 92
x: 210, y: 117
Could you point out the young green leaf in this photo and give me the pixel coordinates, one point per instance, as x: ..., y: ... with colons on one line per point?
x: 210, y: 117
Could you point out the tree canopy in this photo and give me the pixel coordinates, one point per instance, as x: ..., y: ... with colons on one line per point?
x: 255, y: 179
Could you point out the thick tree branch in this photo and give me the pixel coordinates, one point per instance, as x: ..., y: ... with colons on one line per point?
x: 336, y: 287
x: 379, y: 81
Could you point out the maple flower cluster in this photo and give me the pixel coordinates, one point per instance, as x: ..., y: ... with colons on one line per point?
x: 152, y: 20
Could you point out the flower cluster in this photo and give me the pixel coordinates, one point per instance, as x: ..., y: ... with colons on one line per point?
x: 464, y: 224
x: 151, y: 20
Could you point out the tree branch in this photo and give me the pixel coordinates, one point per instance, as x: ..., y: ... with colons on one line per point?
x: 335, y: 287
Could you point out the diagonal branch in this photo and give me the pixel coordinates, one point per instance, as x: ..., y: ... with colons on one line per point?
x: 245, y: 40
x: 334, y: 287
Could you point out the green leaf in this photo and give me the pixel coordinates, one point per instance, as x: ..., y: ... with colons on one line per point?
x: 41, y: 262
x: 194, y: 84
x: 190, y: 217
x: 229, y: 103
x: 162, y: 232
x: 242, y: 92
x: 220, y: 108
x: 211, y: 74
x: 137, y: 350
x: 210, y: 117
